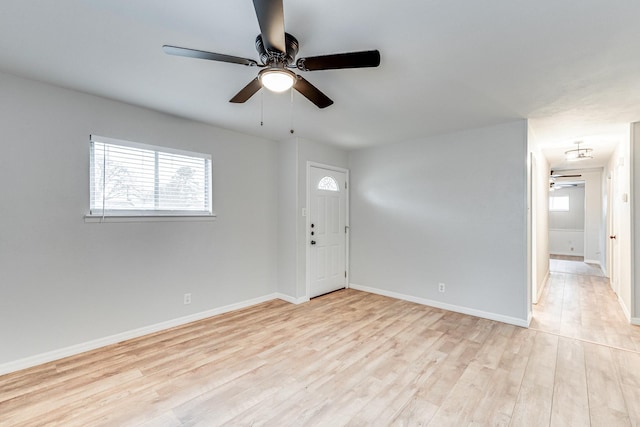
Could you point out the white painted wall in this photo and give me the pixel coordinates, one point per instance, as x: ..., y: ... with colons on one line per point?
x: 593, y: 231
x: 448, y: 209
x: 634, y: 227
x: 287, y: 219
x: 542, y: 227
x: 566, y: 242
x: 65, y: 282
x: 540, y: 217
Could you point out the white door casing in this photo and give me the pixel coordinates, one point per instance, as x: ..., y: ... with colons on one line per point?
x: 327, y: 229
x: 613, y: 209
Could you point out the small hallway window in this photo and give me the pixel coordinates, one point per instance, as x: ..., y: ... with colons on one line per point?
x: 559, y: 203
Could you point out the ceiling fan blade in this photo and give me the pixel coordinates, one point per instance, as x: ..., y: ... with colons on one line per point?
x: 312, y: 93
x: 363, y: 59
x: 247, y: 92
x: 270, y: 15
x: 192, y: 53
x: 559, y: 174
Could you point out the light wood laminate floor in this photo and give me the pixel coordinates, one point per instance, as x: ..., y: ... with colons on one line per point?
x: 575, y: 267
x: 567, y: 257
x: 585, y: 307
x: 347, y: 358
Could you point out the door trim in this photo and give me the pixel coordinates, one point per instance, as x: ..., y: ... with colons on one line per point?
x: 611, y: 227
x: 307, y: 238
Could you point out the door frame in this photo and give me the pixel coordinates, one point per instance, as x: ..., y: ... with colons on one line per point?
x: 307, y: 238
x: 612, y: 226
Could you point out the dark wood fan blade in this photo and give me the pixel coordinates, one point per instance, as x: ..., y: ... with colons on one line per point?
x: 270, y: 15
x: 312, y: 93
x: 192, y: 53
x: 363, y: 59
x: 247, y: 92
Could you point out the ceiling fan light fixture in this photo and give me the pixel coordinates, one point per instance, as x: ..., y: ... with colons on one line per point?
x: 578, y: 154
x: 277, y: 79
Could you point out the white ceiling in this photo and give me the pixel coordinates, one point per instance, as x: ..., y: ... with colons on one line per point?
x: 571, y: 67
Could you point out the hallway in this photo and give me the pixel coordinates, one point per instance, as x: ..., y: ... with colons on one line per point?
x: 578, y: 302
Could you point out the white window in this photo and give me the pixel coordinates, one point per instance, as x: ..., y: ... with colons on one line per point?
x: 132, y: 179
x: 559, y: 203
x: 328, y: 183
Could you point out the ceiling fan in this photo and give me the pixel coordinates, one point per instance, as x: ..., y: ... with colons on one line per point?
x: 555, y: 185
x: 278, y: 51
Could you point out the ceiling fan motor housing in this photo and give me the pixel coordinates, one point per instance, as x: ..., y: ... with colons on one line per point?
x: 270, y: 57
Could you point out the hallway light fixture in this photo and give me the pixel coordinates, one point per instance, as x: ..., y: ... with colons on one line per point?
x: 578, y: 153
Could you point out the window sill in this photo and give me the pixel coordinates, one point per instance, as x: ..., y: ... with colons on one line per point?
x: 148, y: 218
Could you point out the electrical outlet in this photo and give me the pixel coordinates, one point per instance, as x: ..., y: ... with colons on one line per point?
x: 441, y: 287
x: 187, y: 298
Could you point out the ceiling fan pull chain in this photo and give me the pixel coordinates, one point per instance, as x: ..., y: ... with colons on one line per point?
x: 291, y: 128
x: 261, y: 108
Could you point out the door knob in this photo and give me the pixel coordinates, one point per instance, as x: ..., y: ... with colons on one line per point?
x: 313, y: 242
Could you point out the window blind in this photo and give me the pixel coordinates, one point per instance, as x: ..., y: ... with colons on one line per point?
x: 129, y: 178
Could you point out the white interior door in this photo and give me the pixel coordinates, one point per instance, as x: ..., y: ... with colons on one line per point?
x: 327, y: 231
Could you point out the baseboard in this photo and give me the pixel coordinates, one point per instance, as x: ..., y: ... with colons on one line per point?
x: 542, y: 286
x: 635, y: 321
x: 593, y: 261
x: 625, y: 310
x: 567, y: 253
x: 445, y: 306
x: 290, y: 299
x: 50, y: 356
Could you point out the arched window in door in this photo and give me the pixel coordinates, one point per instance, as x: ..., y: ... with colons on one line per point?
x: 328, y: 183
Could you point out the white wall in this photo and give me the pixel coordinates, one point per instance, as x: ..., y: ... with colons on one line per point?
x: 634, y: 227
x: 566, y: 242
x: 287, y: 219
x: 539, y: 217
x: 448, y: 209
x: 64, y: 281
x: 593, y: 232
